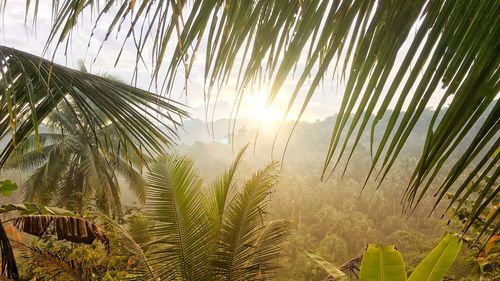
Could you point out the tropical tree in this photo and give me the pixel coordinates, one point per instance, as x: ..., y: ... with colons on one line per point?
x: 387, y: 53
x: 71, y: 169
x: 210, y: 234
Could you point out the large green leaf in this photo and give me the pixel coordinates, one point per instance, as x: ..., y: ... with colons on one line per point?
x: 382, y: 263
x: 438, y: 261
x: 7, y: 187
x: 328, y: 267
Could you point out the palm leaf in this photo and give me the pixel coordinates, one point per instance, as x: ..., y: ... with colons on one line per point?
x: 131, y: 175
x: 268, y: 250
x: 68, y: 228
x: 32, y: 87
x: 241, y: 224
x: 129, y: 245
x: 55, y: 264
x: 30, y: 209
x: 331, y: 269
x: 42, y: 185
x: 223, y: 190
x: 389, y: 54
x: 175, y: 203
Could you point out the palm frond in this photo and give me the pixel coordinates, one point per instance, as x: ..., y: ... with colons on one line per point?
x: 77, y: 230
x: 223, y: 190
x: 388, y: 53
x: 175, y: 203
x: 99, y: 181
x: 32, y: 87
x: 55, y: 263
x: 72, y: 192
x: 30, y: 157
x: 242, y: 223
x: 331, y: 269
x: 132, y: 176
x: 42, y: 185
x: 128, y: 244
x: 352, y: 267
x: 30, y: 209
x: 268, y: 250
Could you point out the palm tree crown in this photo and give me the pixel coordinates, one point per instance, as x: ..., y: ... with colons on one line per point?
x: 71, y: 168
x: 211, y: 234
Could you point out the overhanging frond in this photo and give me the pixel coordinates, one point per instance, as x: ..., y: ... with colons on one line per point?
x: 391, y: 55
x: 32, y: 87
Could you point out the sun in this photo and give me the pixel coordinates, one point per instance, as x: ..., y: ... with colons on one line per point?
x: 261, y: 111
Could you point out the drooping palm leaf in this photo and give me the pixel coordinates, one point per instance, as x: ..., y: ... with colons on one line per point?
x: 30, y: 209
x: 68, y: 228
x: 42, y: 185
x: 32, y: 87
x: 389, y: 53
x: 131, y: 175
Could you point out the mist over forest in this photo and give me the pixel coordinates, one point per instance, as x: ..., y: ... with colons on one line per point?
x: 335, y: 218
x: 219, y: 140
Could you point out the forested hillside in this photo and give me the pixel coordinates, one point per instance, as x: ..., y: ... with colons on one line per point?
x: 336, y: 218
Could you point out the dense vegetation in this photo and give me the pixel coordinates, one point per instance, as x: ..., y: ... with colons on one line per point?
x: 401, y: 183
x: 334, y: 220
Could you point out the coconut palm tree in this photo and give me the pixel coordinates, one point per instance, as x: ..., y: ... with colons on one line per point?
x: 210, y: 234
x: 70, y: 168
x: 393, y: 57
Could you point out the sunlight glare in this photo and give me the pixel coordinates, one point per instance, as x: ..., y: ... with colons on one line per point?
x: 261, y: 112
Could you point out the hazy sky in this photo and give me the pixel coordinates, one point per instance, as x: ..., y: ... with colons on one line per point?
x: 20, y: 35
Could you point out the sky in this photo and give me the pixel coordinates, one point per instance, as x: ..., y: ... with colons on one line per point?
x: 29, y: 37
